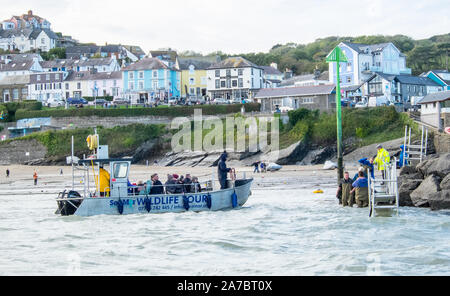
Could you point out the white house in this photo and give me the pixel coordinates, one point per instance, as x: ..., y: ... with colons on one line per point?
x: 90, y: 84
x: 45, y: 86
x: 365, y: 59
x: 435, y: 109
x: 272, y: 77
x: 28, y: 39
x: 25, y: 67
x: 234, y: 77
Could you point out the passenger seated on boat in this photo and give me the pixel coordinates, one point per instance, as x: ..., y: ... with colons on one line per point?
x: 140, y: 187
x: 178, y: 183
x: 195, y: 185
x: 361, y: 189
x: 104, y: 182
x: 187, y: 183
x: 157, y: 186
x: 170, y: 184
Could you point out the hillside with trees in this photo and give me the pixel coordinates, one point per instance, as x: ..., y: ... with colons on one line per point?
x: 422, y: 55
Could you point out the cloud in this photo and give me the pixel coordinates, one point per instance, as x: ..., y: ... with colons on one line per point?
x: 234, y: 26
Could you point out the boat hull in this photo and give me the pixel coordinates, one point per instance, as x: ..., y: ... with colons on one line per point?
x: 154, y: 204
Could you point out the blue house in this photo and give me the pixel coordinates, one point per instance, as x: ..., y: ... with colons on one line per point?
x: 441, y: 77
x: 150, y: 80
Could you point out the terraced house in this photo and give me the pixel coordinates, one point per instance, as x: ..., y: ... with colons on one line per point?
x: 234, y: 78
x: 150, y: 80
x: 193, y: 76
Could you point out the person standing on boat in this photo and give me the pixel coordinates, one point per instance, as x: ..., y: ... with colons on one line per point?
x: 187, y: 183
x: 104, y: 182
x: 7, y: 173
x: 222, y: 171
x: 195, y: 185
x: 157, y: 186
x: 344, y: 191
x: 361, y: 189
x: 35, y: 178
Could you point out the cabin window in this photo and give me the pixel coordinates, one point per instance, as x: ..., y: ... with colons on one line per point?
x: 121, y: 170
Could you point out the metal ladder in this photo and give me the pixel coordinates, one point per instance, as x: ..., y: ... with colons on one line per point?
x: 414, y: 152
x: 383, y: 193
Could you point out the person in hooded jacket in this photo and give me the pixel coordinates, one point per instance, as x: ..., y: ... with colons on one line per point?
x: 222, y: 171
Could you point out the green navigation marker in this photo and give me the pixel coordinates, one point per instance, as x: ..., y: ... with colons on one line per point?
x: 338, y: 56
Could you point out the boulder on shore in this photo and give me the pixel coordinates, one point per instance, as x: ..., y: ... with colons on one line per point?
x: 405, y: 191
x: 436, y: 165
x: 440, y: 200
x: 421, y: 195
x: 445, y: 184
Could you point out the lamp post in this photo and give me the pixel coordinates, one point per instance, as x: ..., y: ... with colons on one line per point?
x: 338, y: 56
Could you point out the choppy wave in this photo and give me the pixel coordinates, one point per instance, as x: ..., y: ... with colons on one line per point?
x: 289, y: 232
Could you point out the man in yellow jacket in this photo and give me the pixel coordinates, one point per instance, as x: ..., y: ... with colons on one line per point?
x: 104, y: 182
x: 382, y: 160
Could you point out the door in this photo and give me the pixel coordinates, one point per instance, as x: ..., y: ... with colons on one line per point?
x: 119, y: 178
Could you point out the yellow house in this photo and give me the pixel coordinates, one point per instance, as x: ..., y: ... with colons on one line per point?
x: 193, y: 75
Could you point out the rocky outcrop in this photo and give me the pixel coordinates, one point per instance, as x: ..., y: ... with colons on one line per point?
x: 420, y: 196
x: 436, y: 165
x: 318, y: 156
x: 440, y: 200
x: 146, y: 150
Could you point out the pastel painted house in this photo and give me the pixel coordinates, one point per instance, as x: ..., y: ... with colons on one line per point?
x: 441, y: 77
x: 150, y: 80
x: 364, y: 60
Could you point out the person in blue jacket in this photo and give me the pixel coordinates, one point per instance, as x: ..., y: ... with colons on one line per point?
x: 367, y: 163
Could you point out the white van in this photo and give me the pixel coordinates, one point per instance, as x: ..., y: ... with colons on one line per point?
x: 52, y: 102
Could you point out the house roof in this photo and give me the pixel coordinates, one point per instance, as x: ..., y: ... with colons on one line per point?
x: 408, y: 79
x: 17, y: 66
x: 137, y: 50
x: 360, y: 47
x: 200, y: 63
x: 295, y: 91
x: 234, y: 62
x: 291, y: 81
x: 35, y: 33
x: 15, y: 80
x: 172, y: 54
x: 146, y: 64
x: 88, y: 75
x: 270, y: 70
x: 58, y: 63
x: 81, y: 49
x: 436, y: 97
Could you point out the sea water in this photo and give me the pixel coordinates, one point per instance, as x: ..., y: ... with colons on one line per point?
x: 282, y: 230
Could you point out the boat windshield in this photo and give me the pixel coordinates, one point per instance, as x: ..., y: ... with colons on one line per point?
x: 120, y: 170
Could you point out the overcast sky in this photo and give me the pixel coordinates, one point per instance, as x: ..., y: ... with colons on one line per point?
x: 232, y: 26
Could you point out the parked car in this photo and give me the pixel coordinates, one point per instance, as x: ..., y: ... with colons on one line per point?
x: 285, y: 109
x: 54, y: 102
x: 361, y: 104
x: 347, y: 103
x: 77, y: 101
x: 119, y: 101
x: 220, y: 101
x: 172, y: 101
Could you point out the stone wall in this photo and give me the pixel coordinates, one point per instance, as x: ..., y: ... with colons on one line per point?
x: 15, y: 152
x: 441, y: 142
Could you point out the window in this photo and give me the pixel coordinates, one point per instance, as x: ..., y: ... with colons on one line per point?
x: 15, y: 94
x: 38, y: 77
x: 78, y: 85
x: 308, y: 100
x: 131, y: 85
x: 141, y: 75
x: 234, y: 83
x: 131, y: 75
x: 217, y: 73
x: 228, y: 83
x: 155, y: 74
x: 42, y: 40
x: 349, y: 79
x: 240, y: 72
x: 141, y: 85
x: 191, y: 81
x: 120, y: 170
x: 217, y: 83
x: 222, y: 83
x: 228, y: 72
x: 241, y: 82
x: 67, y: 86
x: 349, y: 67
x: 192, y: 91
x: 191, y: 69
